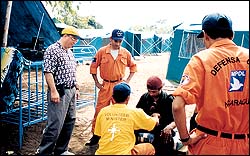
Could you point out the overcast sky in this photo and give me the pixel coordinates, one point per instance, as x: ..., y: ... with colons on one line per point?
x: 124, y: 14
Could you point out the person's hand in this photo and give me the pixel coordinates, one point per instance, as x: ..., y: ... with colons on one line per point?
x: 157, y: 115
x: 55, y: 97
x: 77, y: 94
x: 98, y: 85
x: 194, y: 138
x: 167, y: 130
x: 166, y: 136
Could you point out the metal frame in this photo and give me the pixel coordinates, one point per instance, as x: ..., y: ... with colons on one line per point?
x: 32, y: 105
x: 32, y: 101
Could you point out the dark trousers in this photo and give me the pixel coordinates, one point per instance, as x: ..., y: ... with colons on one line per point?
x: 162, y: 148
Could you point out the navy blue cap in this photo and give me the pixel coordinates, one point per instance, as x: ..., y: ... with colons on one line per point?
x: 117, y: 34
x: 122, y: 89
x: 215, y: 21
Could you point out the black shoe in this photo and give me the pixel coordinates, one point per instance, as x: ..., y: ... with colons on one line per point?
x: 93, y: 141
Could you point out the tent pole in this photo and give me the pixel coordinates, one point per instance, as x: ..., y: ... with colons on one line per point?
x: 7, y: 21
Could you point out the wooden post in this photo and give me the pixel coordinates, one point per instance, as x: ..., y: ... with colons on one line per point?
x: 7, y: 21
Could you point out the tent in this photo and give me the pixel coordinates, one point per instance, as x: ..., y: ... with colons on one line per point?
x: 145, y: 42
x: 28, y: 20
x: 136, y: 43
x: 185, y: 44
x: 132, y: 42
x: 94, y: 37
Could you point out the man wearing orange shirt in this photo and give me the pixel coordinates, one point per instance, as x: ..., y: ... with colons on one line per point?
x: 112, y: 61
x: 217, y: 81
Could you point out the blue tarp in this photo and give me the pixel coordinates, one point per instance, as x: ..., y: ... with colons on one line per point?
x: 147, y: 45
x: 157, y: 44
x: 128, y: 41
x: 137, y: 44
x: 185, y: 44
x: 25, y: 21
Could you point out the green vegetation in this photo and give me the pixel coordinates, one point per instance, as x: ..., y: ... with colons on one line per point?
x: 63, y: 12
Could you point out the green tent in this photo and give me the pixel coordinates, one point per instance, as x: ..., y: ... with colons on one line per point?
x: 185, y: 44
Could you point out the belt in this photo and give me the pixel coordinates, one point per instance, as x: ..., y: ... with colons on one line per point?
x: 112, y: 81
x: 223, y: 135
x: 69, y: 87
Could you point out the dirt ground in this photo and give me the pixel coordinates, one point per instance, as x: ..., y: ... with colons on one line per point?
x: 147, y: 65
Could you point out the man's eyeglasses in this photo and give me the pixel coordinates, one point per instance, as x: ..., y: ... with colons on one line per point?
x: 73, y: 38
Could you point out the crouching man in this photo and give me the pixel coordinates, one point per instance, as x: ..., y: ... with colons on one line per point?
x: 116, y: 123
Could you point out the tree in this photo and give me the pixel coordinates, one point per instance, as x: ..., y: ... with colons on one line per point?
x: 159, y: 27
x: 63, y: 12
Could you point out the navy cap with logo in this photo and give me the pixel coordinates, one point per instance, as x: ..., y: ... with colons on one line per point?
x: 121, y: 89
x: 117, y: 34
x: 215, y: 21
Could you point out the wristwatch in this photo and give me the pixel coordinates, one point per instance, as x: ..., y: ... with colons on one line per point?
x: 185, y: 139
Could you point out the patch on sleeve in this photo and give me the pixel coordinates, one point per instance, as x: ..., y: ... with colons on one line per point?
x: 184, y: 80
x: 237, y: 80
x: 93, y: 60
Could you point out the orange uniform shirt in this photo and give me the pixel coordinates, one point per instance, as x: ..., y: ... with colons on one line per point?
x: 217, y: 80
x: 110, y: 68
